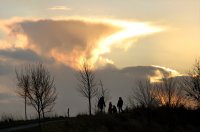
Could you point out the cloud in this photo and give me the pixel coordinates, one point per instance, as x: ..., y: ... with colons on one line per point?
x: 166, y: 72
x: 138, y: 72
x: 154, y: 73
x: 118, y: 81
x: 60, y: 8
x: 70, y: 40
x: 20, y: 54
x: 66, y: 42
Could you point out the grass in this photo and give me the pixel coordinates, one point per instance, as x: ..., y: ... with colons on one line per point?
x: 137, y: 120
x: 8, y: 121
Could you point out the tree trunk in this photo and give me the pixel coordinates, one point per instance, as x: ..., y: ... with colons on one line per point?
x: 39, y: 118
x: 25, y: 108
x: 43, y: 114
x: 68, y: 112
x: 90, y: 113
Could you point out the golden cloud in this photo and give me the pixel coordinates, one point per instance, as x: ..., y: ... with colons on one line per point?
x: 71, y: 40
x: 163, y: 72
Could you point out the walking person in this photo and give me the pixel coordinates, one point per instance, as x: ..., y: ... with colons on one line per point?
x: 120, y: 104
x: 101, y: 104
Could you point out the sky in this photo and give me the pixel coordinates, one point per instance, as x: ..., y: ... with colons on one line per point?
x: 123, y: 40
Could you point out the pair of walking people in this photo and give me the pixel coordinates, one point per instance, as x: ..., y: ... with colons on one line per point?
x: 111, y: 108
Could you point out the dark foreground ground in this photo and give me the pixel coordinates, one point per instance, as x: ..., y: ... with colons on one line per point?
x: 137, y: 120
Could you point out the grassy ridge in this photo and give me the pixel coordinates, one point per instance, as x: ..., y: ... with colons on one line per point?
x: 137, y: 120
x: 140, y: 120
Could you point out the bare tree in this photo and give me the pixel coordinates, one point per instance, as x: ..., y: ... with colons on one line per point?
x: 42, y: 94
x: 192, y: 83
x: 87, y: 84
x: 169, y: 92
x: 38, y: 88
x: 144, y: 94
x: 48, y: 91
x: 23, y: 84
x: 102, y: 91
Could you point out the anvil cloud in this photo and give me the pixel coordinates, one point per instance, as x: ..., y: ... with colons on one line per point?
x: 70, y: 41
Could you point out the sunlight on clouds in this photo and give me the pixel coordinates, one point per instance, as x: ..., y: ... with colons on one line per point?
x: 125, y: 38
x: 72, y: 59
x: 13, y: 38
x: 21, y: 41
x: 159, y: 75
x: 14, y: 41
x: 115, y: 33
x: 129, y: 30
x: 172, y: 72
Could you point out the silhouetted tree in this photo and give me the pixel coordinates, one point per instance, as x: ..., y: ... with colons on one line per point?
x: 48, y: 91
x: 87, y: 84
x: 102, y: 91
x: 192, y: 83
x: 42, y: 94
x: 23, y: 84
x: 169, y: 92
x: 144, y: 94
x: 37, y: 86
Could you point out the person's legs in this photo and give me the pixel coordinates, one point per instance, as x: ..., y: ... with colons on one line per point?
x: 120, y: 109
x: 101, y: 108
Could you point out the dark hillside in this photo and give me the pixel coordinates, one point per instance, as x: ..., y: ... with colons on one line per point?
x: 137, y: 120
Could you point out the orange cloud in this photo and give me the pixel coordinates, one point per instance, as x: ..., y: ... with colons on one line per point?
x: 70, y: 40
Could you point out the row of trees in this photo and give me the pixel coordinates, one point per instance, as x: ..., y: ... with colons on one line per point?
x: 169, y: 91
x: 37, y: 87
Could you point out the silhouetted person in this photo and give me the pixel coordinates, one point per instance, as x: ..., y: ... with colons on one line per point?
x: 101, y: 104
x: 120, y: 104
x: 110, y: 108
x: 114, y: 109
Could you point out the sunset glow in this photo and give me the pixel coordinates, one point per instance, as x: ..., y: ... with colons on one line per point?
x: 122, y: 41
x: 159, y: 75
x: 130, y: 31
